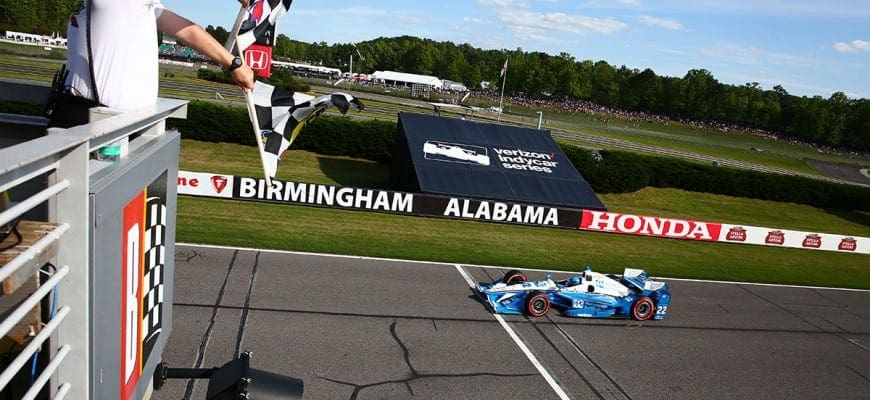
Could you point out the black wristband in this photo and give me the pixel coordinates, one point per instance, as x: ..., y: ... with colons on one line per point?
x: 236, y: 63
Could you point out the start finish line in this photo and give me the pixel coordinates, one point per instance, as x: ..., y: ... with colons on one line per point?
x: 426, y: 205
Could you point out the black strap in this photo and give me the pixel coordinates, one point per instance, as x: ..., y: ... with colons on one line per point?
x: 91, y: 55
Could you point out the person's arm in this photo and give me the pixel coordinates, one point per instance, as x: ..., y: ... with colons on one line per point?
x: 198, y: 39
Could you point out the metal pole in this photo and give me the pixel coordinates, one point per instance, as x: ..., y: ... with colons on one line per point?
x: 231, y: 39
x: 501, y: 99
x: 540, y: 118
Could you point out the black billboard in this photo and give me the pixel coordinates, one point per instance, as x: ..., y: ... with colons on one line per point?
x: 455, y: 157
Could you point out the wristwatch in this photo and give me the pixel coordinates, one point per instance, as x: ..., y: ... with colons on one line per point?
x: 237, y: 62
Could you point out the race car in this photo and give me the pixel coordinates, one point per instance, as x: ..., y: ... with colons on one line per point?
x: 590, y: 294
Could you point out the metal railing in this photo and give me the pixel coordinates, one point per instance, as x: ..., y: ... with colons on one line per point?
x: 63, y: 159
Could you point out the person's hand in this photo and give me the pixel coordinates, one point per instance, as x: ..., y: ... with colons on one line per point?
x: 244, y: 77
x: 244, y: 3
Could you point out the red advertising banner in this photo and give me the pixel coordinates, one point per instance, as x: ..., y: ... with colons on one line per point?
x: 132, y: 242
x: 671, y: 228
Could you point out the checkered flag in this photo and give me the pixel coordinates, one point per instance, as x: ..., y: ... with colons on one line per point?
x: 281, y: 115
x: 155, y: 263
x: 256, y: 34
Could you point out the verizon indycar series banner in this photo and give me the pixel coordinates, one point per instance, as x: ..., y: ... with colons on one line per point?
x: 424, y: 205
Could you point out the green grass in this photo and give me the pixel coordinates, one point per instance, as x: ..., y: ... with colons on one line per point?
x: 322, y: 230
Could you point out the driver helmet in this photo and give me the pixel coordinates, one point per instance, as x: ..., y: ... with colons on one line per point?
x: 574, y: 280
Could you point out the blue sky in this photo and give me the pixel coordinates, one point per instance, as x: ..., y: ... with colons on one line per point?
x: 809, y: 47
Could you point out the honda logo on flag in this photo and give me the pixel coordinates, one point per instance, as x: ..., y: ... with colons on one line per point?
x: 257, y: 59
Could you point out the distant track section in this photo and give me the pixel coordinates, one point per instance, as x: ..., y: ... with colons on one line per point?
x: 623, y: 144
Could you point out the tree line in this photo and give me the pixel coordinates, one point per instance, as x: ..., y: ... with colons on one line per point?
x: 837, y: 121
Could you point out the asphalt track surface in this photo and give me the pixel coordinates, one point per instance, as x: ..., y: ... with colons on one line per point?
x: 358, y: 328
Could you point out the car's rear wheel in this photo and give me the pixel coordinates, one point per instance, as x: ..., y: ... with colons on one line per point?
x: 537, y: 305
x: 513, y: 277
x: 642, y: 309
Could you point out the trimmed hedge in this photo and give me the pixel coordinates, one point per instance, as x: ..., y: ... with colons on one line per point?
x: 330, y: 135
x: 613, y: 172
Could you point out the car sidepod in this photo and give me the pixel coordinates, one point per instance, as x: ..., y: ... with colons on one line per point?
x: 572, y: 304
x: 506, y: 298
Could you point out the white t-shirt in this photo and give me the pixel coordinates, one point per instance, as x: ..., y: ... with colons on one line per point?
x: 124, y: 47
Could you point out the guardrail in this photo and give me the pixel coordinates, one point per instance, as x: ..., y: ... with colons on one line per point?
x: 60, y: 166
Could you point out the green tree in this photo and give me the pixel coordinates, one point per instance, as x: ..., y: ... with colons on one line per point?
x: 605, y: 86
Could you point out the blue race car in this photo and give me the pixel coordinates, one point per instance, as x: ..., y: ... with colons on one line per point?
x: 590, y: 294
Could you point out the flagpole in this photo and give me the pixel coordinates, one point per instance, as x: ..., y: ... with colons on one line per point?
x: 501, y: 99
x: 255, y: 123
x: 233, y: 37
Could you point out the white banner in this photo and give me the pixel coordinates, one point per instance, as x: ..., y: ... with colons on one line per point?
x: 202, y: 184
x: 794, y: 239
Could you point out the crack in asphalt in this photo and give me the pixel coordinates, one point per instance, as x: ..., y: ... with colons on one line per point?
x: 413, y: 375
x: 240, y: 336
x: 203, y: 345
x: 186, y: 256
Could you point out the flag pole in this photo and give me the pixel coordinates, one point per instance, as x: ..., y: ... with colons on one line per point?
x: 255, y: 124
x: 501, y: 99
x: 234, y: 33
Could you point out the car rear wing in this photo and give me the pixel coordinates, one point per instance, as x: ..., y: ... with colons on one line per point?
x: 635, y: 277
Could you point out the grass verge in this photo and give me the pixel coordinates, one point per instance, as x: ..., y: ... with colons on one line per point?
x: 322, y: 230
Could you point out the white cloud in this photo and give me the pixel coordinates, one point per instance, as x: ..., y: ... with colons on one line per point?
x: 528, y: 24
x: 500, y: 3
x: 473, y: 20
x: 856, y: 46
x: 661, y: 22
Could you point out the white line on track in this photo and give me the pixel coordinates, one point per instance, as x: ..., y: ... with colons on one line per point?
x: 522, y: 345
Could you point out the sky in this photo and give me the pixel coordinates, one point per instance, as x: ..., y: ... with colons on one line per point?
x: 810, y: 48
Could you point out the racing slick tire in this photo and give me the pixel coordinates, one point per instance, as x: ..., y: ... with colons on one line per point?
x: 537, y: 305
x: 513, y: 277
x: 643, y: 309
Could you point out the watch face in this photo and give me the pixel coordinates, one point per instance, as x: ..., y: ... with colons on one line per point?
x: 237, y: 62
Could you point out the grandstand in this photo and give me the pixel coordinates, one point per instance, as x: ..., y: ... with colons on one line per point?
x: 178, y: 52
x: 308, y: 70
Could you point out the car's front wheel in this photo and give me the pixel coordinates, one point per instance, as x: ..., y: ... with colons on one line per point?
x: 537, y: 305
x: 642, y: 309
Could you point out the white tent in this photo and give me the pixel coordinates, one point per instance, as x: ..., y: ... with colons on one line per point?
x: 407, y: 79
